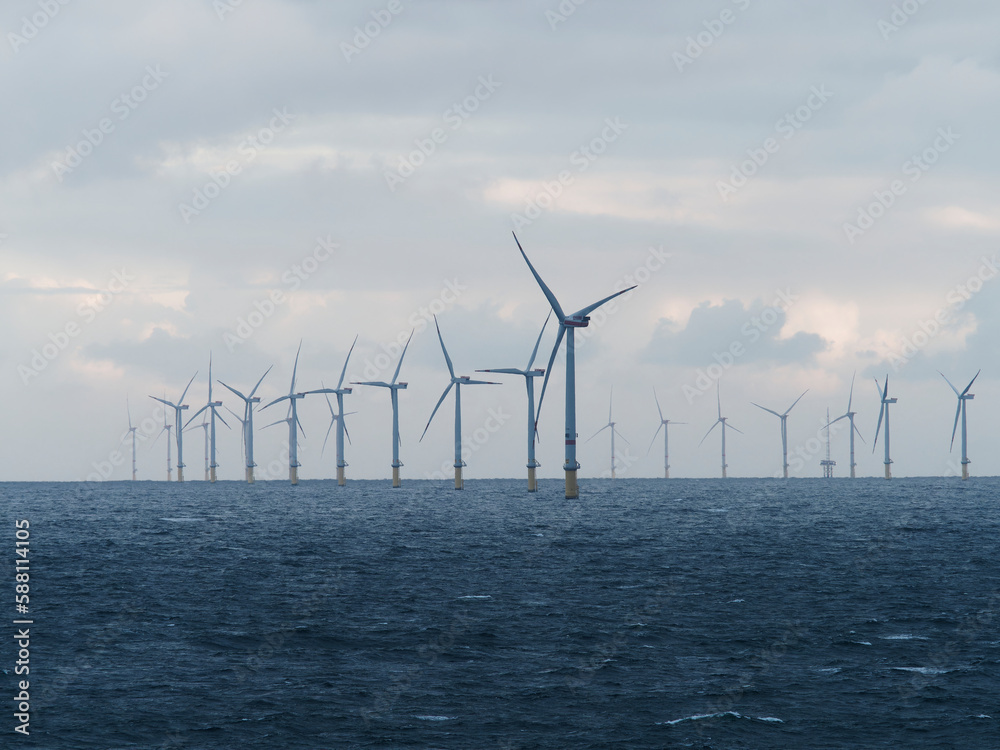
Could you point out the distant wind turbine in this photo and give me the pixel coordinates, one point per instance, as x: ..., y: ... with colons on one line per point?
x: 784, y: 430
x: 292, y: 420
x: 614, y: 431
x: 849, y: 415
x: 883, y: 394
x: 131, y: 431
x: 567, y: 325
x: 665, y: 426
x: 529, y: 379
x: 212, y: 407
x: 340, y: 392
x: 204, y: 426
x: 721, y: 420
x: 962, y: 398
x: 394, y: 389
x: 247, y: 422
x: 458, y: 381
x: 178, y: 408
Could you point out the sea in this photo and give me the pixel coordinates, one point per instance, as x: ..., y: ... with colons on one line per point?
x: 740, y: 613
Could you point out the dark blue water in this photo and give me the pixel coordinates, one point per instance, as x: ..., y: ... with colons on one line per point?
x: 648, y: 614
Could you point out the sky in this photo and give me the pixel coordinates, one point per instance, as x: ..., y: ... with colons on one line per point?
x: 803, y: 194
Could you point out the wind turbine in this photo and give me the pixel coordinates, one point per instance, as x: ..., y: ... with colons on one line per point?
x: 210, y: 428
x: 293, y: 422
x: 131, y: 431
x: 178, y: 408
x: 962, y: 398
x: 721, y: 420
x: 458, y: 381
x: 339, y: 417
x: 529, y: 379
x: 614, y: 431
x: 247, y: 422
x: 850, y: 416
x: 784, y: 430
x: 170, y: 469
x: 204, y: 426
x: 883, y: 394
x: 665, y: 426
x: 567, y: 325
x: 394, y: 389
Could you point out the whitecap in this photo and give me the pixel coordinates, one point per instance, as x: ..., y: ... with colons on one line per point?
x: 924, y: 670
x: 476, y: 596
x: 904, y: 637
x: 862, y: 643
x: 436, y: 718
x: 735, y: 601
x: 734, y: 714
x: 183, y: 520
x: 830, y: 670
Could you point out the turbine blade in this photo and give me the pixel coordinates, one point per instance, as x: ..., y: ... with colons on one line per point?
x: 766, y: 409
x: 280, y: 421
x: 280, y: 398
x: 734, y: 428
x: 400, y: 363
x: 344, y: 371
x: 878, y: 427
x: 718, y: 396
x: 371, y: 382
x: 622, y: 436
x: 479, y: 382
x: 195, y: 415
x: 658, y: 409
x: 596, y: 434
x: 328, y: 431
x: 548, y: 371
x: 163, y: 401
x: 539, y: 341
x: 295, y: 367
x: 950, y: 384
x: 440, y: 401
x: 347, y: 433
x: 844, y: 416
x: 181, y: 400
x: 260, y: 381
x: 590, y: 308
x: 970, y: 383
x: 545, y: 290
x: 219, y: 416
x: 859, y: 432
x: 506, y: 371
x: 447, y: 359
x: 796, y: 401
x: 654, y: 438
x: 714, y: 424
x: 611, y: 402
x: 851, y: 396
x: 958, y: 413
x: 234, y: 391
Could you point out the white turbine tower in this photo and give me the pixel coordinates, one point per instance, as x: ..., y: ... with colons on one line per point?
x: 721, y: 420
x: 394, y: 389
x: 247, y: 422
x: 665, y: 426
x: 293, y: 422
x: 340, y: 391
x: 211, y: 406
x: 883, y: 394
x: 178, y: 408
x: 849, y: 415
x: 784, y: 430
x: 962, y: 398
x: 529, y: 379
x: 458, y: 381
x: 614, y: 431
x: 567, y: 325
x: 131, y: 431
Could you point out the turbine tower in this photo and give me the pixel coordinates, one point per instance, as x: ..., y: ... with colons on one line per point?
x: 394, y: 389
x: 131, y: 431
x: 529, y: 379
x: 212, y: 407
x: 340, y: 391
x: 247, y: 422
x: 784, y: 430
x: 665, y: 426
x: 178, y: 408
x: 567, y: 326
x: 614, y: 431
x: 721, y: 420
x: 962, y: 398
x: 458, y: 382
x: 883, y: 393
x: 828, y: 463
x: 850, y: 416
x: 293, y: 422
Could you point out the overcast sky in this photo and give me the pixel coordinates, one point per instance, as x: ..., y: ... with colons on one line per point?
x: 802, y: 191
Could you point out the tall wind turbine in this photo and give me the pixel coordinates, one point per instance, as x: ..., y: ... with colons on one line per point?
x: 614, y: 431
x: 567, y: 325
x: 131, y: 431
x: 721, y: 420
x: 166, y: 428
x: 529, y: 379
x: 178, y: 408
x: 665, y: 426
x: 962, y: 398
x: 212, y: 407
x: 784, y: 430
x: 340, y: 391
x: 883, y: 394
x: 247, y: 422
x: 293, y: 422
x: 850, y: 416
x: 394, y: 389
x: 458, y: 381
